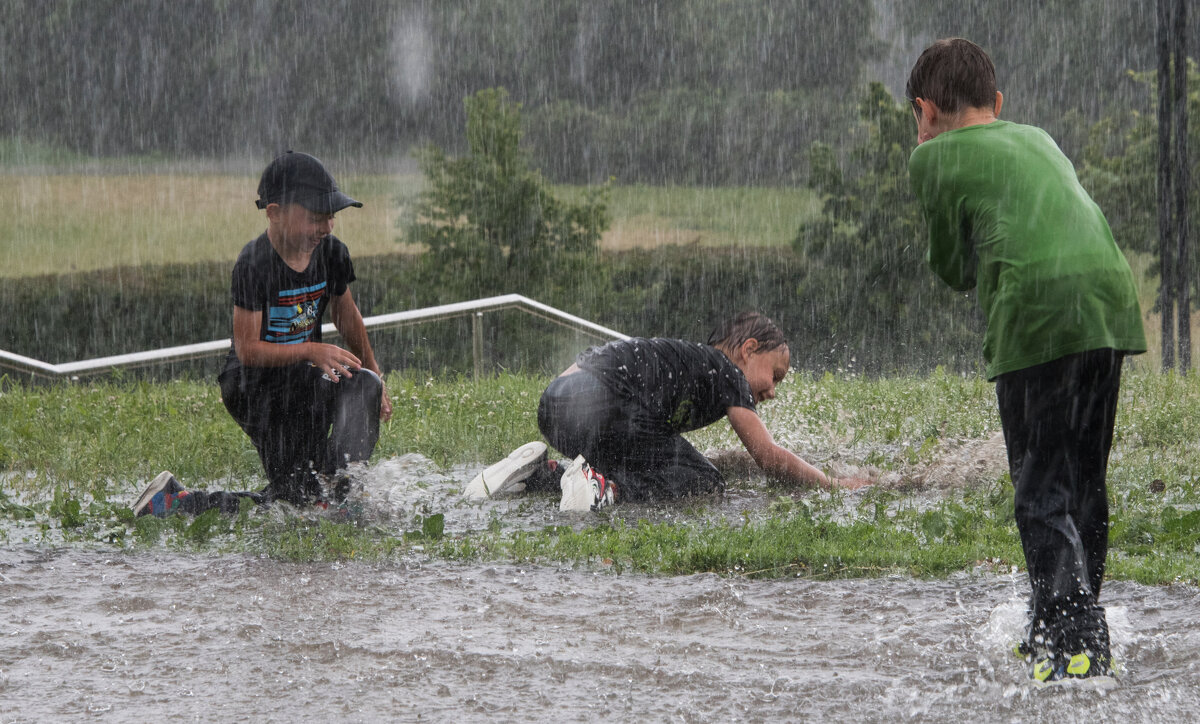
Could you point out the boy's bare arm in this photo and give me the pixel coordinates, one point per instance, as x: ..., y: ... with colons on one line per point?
x: 774, y: 460
x: 254, y: 352
x: 349, y: 322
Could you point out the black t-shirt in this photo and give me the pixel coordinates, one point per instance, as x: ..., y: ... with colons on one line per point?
x: 682, y: 385
x: 292, y: 303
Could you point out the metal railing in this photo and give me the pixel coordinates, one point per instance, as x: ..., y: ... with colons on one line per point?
x: 475, y: 308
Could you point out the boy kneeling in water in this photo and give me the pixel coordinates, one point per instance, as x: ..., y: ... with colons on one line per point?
x: 619, y: 411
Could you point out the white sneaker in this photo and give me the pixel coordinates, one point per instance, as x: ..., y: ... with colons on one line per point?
x: 585, y: 489
x: 508, y: 475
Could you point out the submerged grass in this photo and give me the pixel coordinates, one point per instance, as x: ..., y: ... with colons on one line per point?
x: 73, y: 455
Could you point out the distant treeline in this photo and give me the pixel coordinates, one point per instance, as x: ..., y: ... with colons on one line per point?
x: 695, y: 91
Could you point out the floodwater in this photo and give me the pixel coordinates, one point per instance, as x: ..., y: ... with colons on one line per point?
x: 91, y: 635
x: 99, y: 634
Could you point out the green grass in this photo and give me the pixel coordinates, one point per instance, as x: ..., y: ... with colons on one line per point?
x: 650, y: 216
x: 74, y: 454
x: 75, y: 219
x: 62, y: 222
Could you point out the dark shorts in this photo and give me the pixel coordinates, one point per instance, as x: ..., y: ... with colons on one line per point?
x: 1058, y: 423
x: 303, y: 424
x: 578, y: 415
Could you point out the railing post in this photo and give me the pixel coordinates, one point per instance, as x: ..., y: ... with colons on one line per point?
x: 477, y: 343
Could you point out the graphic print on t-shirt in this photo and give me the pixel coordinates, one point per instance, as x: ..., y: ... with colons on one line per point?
x: 293, y: 316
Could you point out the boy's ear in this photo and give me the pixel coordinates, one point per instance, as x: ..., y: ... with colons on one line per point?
x: 273, y: 211
x: 930, y: 113
x: 999, y: 103
x: 748, y: 347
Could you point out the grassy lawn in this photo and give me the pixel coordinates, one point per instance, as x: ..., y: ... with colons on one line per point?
x: 81, y: 222
x: 649, y: 216
x: 64, y: 222
x: 72, y: 456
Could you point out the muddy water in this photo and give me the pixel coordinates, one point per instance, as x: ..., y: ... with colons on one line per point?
x: 105, y: 636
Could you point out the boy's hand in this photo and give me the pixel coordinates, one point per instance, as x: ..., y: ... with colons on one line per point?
x: 385, y: 404
x: 333, y: 360
x: 850, y: 483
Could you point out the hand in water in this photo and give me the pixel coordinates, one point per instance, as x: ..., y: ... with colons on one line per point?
x: 851, y: 483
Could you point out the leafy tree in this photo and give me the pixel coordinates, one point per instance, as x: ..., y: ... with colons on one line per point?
x: 1120, y: 166
x: 488, y: 219
x: 865, y: 253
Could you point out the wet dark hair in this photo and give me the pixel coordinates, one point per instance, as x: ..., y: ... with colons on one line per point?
x: 730, y: 334
x: 953, y: 72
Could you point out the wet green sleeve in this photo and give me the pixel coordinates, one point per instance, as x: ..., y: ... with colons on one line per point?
x: 951, y: 252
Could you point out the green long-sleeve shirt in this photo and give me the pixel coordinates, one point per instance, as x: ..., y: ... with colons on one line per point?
x: 1006, y: 212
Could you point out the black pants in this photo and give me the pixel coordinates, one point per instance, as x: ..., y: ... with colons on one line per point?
x: 578, y: 415
x: 302, y: 424
x: 1058, y: 427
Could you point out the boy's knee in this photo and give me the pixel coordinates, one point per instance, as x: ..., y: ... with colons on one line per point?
x: 369, y: 380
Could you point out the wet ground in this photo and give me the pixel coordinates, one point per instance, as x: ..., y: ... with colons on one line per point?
x: 90, y: 635
x: 403, y: 488
x: 101, y: 635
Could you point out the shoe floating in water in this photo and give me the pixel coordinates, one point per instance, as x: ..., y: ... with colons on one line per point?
x: 585, y: 489
x: 160, y: 497
x: 508, y: 475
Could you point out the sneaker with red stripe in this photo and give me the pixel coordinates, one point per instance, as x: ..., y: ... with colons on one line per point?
x: 585, y: 489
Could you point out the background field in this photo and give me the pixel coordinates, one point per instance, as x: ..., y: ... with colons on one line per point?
x: 66, y: 222
x: 82, y: 222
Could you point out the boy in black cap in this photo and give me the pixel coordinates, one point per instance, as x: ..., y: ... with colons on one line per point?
x: 309, y: 407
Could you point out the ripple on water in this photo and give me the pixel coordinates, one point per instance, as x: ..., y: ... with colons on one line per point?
x: 240, y: 637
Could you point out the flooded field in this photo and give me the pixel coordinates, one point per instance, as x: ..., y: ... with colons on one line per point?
x: 92, y: 632
x: 90, y: 635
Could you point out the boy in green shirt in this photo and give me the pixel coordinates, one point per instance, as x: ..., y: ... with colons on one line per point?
x: 1007, y: 214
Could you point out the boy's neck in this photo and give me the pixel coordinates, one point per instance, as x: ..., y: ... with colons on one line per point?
x: 295, y: 257
x: 932, y: 121
x: 971, y: 117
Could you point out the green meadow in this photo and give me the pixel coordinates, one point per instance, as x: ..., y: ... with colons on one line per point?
x: 76, y: 220
x: 75, y: 455
x: 67, y: 222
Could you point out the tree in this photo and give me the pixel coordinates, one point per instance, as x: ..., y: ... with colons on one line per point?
x: 1120, y: 163
x: 487, y: 218
x: 865, y: 252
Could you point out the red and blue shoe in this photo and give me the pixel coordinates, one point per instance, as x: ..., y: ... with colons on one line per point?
x: 161, y: 496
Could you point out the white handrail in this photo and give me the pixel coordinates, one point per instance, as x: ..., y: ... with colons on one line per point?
x: 185, y: 352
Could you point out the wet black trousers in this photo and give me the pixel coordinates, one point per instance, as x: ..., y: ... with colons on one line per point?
x: 1058, y: 426
x: 578, y: 415
x: 302, y: 424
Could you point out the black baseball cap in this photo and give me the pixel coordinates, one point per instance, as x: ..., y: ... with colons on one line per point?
x: 298, y: 178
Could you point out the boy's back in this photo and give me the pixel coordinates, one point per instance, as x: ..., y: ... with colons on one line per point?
x: 1006, y: 211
